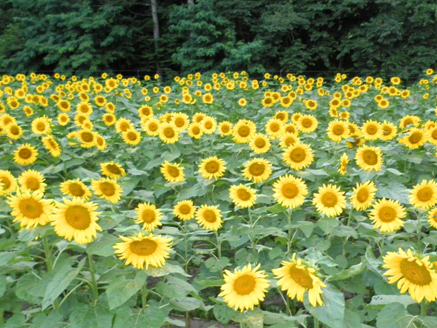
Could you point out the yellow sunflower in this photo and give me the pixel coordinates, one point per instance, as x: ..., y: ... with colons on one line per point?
x: 168, y: 133
x: 242, y: 196
x: 245, y: 288
x: 181, y: 121
x: 51, y: 145
x: 369, y: 158
x: 25, y: 154
x: 338, y: 130
x: 151, y: 126
x: 274, y: 128
x: 431, y: 135
x: 140, y: 250
x: 109, y: 119
x: 258, y: 170
x: 123, y: 124
x: 14, y: 131
x: 386, y: 214
x: 371, y: 130
x: 209, y: 217
x: 212, y: 167
x: 307, y: 123
x: 209, y: 125
x: 107, y: 189
x: 288, y: 139
x: 31, y: 180
x: 409, y: 121
x: 389, y: 130
x: 243, y: 131
x: 195, y: 130
x: 414, y: 139
x: 172, y: 172
x: 131, y: 137
x: 76, y: 219
x: 148, y: 215
x: 298, y: 156
x: 29, y: 209
x: 75, y: 188
x: 329, y: 200
x: 296, y: 278
x: 424, y: 195
x: 184, y: 210
x: 432, y: 218
x: 260, y: 144
x: 363, y: 195
x: 84, y: 108
x: 225, y: 128
x: 41, y: 125
x: 7, y: 182
x: 412, y: 273
x: 86, y: 137
x: 343, y: 164
x: 290, y: 191
x: 112, y: 170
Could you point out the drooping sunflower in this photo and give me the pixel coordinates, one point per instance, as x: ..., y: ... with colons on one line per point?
x: 107, y: 189
x: 424, y: 195
x: 184, y: 210
x: 296, y: 278
x: 112, y: 170
x: 140, y: 250
x: 245, y: 288
x: 242, y: 196
x: 363, y: 195
x: 51, y: 145
x: 290, y: 191
x: 75, y: 188
x: 329, y: 200
x: 243, y: 131
x: 76, y: 219
x: 31, y: 180
x: 131, y: 137
x: 298, y: 156
x: 260, y: 144
x: 225, y: 128
x: 257, y: 170
x: 172, y: 172
x: 41, y: 125
x: 195, y: 130
x: 343, y: 164
x: 7, y: 182
x: 148, y: 215
x: 168, y: 133
x: 414, y: 139
x: 338, y: 130
x: 274, y: 128
x: 29, y: 209
x: 209, y: 217
x: 386, y: 214
x: 212, y: 167
x: 307, y: 123
x: 412, y: 273
x: 25, y: 154
x: 369, y: 158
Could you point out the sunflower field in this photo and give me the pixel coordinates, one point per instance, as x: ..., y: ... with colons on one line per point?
x: 280, y: 202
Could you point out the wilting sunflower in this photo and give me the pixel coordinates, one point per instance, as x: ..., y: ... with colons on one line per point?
x: 41, y: 125
x: 260, y: 144
x: 329, y: 200
x: 274, y: 128
x: 414, y: 139
x: 424, y: 195
x: 151, y: 126
x: 307, y: 123
x: 172, y: 172
x: 338, y: 130
x: 168, y: 133
x: 212, y: 167
x: 343, y: 164
x: 107, y: 189
x: 51, y: 145
x: 209, y: 217
x: 290, y: 191
x: 75, y: 188
x: 25, y: 154
x: 243, y: 131
x: 148, y: 215
x: 296, y: 278
x: 143, y: 250
x: 298, y: 156
x: 225, y: 128
x: 112, y: 170
x: 363, y: 195
x: 258, y: 170
x: 31, y: 180
x: 242, y: 196
x: 245, y: 288
x: 184, y: 210
x: 131, y: 137
x: 195, y: 130
x: 76, y: 219
x: 369, y: 158
x: 386, y: 214
x: 412, y: 273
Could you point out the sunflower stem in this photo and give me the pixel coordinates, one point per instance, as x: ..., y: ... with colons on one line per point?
x: 252, y: 232
x: 93, y: 277
x: 289, y: 239
x: 186, y: 245
x: 316, y: 323
x: 423, y: 308
x: 219, y: 245
x: 48, y: 254
x: 144, y: 293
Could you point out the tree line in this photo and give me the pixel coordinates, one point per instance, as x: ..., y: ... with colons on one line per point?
x: 174, y: 37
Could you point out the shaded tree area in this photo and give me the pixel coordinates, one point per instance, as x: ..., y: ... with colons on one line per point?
x: 396, y: 37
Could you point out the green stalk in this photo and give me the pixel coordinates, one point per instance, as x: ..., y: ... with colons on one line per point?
x: 186, y: 245
x: 48, y: 254
x: 289, y: 239
x: 423, y: 308
x: 144, y: 293
x: 316, y: 323
x: 93, y: 277
x: 252, y: 233
x: 219, y: 245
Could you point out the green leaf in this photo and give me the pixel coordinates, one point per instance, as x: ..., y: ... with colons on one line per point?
x: 328, y: 224
x: 175, y: 287
x: 103, y: 246
x: 154, y: 316
x: 166, y: 269
x: 91, y: 315
x: 6, y: 256
x: 83, y: 173
x: 348, y: 273
x: 186, y: 303
x: 405, y: 300
x: 283, y: 320
x: 345, y: 231
x: 121, y: 289
x: 54, y: 319
x: 394, y: 191
x: 429, y: 322
x: 306, y: 227
x: 223, y: 313
x: 252, y: 319
x: 351, y: 319
x: 129, y: 184
x: 394, y: 315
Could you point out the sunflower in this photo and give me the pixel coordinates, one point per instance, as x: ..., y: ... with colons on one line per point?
x: 25, y: 154
x: 432, y: 218
x: 414, y: 139
x: 412, y: 273
x: 64, y: 105
x: 408, y: 121
x: 109, y: 119
x: 371, y: 130
x: 209, y: 217
x: 274, y: 128
x: 151, y: 127
x: 148, y: 215
x: 84, y: 108
x: 242, y: 196
x: 290, y: 191
x: 86, y: 137
x: 51, y: 145
x: 329, y: 200
x: 14, y: 131
x: 209, y: 125
x: 212, y: 167
x: 363, y: 195
x: 7, y: 182
x: 307, y: 123
x: 225, y: 128
x: 245, y: 288
x: 63, y: 119
x: 172, y: 172
x: 112, y: 170
x: 195, y: 130
x: 424, y: 195
x: 291, y: 128
x: 29, y: 209
x: 123, y: 124
x: 168, y: 133
x: 431, y: 135
x: 296, y: 278
x: 32, y: 180
x: 243, y: 131
x: 298, y: 156
x: 181, y: 121
x: 143, y: 250
x: 107, y: 189
x: 131, y: 137
x: 76, y: 219
x: 343, y: 164
x: 386, y: 214
x: 260, y: 144
x: 75, y: 188
x: 258, y: 170
x: 282, y: 115
x: 184, y: 210
x: 389, y: 131
x: 338, y: 130
x: 41, y: 125
x: 369, y: 158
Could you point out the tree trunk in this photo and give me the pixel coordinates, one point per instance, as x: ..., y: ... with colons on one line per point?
x: 156, y: 33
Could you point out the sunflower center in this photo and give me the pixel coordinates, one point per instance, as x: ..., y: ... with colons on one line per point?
x: 371, y: 129
x: 143, y: 247
x: 179, y: 122
x: 274, y: 127
x: 301, y: 276
x: 387, y: 214
x: 416, y: 137
x: 78, y: 217
x: 434, y: 134
x: 425, y: 194
x: 169, y: 132
x: 244, y: 284
x: 6, y: 182
x: 363, y: 195
x: 338, y: 130
x: 386, y: 130
x: 41, y: 126
x: 124, y: 126
x: 244, y: 131
x: 207, y: 124
x: 257, y: 169
x: 225, y: 128
x: 173, y: 171
x: 195, y: 130
x: 148, y: 216
x: 30, y: 208
x: 107, y: 188
x: 307, y: 123
x: 298, y: 155
x: 76, y: 190
x: 87, y: 136
x: 260, y: 143
x: 329, y: 199
x: 209, y: 216
x: 370, y: 157
x: 132, y: 136
x: 289, y: 190
x: 243, y: 194
x: 113, y: 168
x: 14, y: 130
x: 408, y: 121
x: 212, y: 167
x: 32, y: 183
x: 25, y: 153
x: 153, y: 126
x: 415, y: 273
x: 185, y: 209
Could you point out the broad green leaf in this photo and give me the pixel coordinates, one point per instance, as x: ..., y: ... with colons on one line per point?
x: 175, y: 287
x: 351, y: 319
x: 83, y: 173
x: 223, y: 313
x: 395, y: 315
x: 3, y: 283
x: 186, y: 303
x: 405, y: 300
x: 91, y: 315
x: 281, y: 319
x: 348, y: 273
x: 103, y: 246
x: 252, y: 318
x: 166, y: 269
x: 120, y: 289
x: 54, y: 319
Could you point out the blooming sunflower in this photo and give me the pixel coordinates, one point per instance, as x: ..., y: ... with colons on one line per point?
x: 363, y: 195
x: 209, y: 125
x: 107, y: 189
x: 258, y: 170
x: 414, y: 139
x: 14, y: 131
x: 371, y: 130
x: 288, y: 139
x: 212, y: 167
x: 32, y: 180
x: 112, y: 170
x: 209, y: 217
x: 260, y: 144
x: 307, y: 123
x: 25, y: 154
x: 109, y: 119
x: 7, y: 182
x: 148, y: 215
x: 274, y: 128
x: 184, y: 210
x: 86, y: 137
x: 29, y: 209
x: 298, y: 156
x: 75, y: 188
x: 181, y: 121
x: 338, y: 130
x: 290, y: 191
x: 329, y: 200
x: 243, y: 131
x: 51, y: 145
x: 172, y: 172
x: 432, y: 218
x: 369, y: 158
x: 389, y: 131
x: 225, y: 128
x: 131, y: 137
x: 41, y: 125
x: 143, y: 250
x: 151, y: 126
x: 431, y: 135
x: 195, y: 130
x: 386, y: 214
x: 168, y: 132
x: 296, y: 278
x: 242, y: 196
x: 408, y: 121
x: 76, y: 219
x: 343, y: 164
x: 123, y: 124
x: 245, y: 288
x: 413, y: 274
x: 424, y: 195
